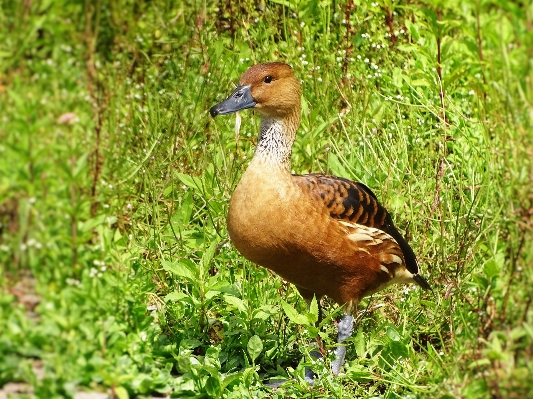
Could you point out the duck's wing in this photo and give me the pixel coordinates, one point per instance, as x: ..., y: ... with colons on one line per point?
x: 355, y: 204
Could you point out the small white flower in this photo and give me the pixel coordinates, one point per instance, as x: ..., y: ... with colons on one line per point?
x: 367, y: 60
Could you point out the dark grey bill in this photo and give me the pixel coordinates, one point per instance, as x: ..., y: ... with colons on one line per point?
x: 241, y: 98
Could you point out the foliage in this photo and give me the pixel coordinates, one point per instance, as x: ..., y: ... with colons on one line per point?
x: 117, y: 273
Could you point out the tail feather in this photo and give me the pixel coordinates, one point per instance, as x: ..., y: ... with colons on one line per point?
x: 422, y: 282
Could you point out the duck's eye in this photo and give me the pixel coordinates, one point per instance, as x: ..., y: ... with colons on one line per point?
x: 268, y: 79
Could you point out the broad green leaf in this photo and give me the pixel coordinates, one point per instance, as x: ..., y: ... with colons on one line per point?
x: 293, y: 315
x: 121, y: 393
x: 183, y: 214
x: 179, y: 268
x: 393, y: 334
x: 212, y: 357
x: 229, y: 378
x: 398, y: 349
x: 190, y: 181
x: 189, y: 344
x: 175, y: 296
x: 255, y: 347
x: 235, y: 302
x: 360, y: 343
x: 213, y: 387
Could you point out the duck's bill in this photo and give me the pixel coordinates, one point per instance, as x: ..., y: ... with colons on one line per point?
x: 241, y: 98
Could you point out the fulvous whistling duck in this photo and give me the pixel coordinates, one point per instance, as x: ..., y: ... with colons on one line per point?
x: 327, y: 235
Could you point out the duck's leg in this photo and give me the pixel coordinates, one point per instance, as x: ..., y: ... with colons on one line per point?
x: 345, y: 329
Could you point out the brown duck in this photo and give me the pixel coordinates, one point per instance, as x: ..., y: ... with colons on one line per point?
x: 327, y: 235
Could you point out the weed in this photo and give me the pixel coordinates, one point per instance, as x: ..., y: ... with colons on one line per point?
x: 117, y: 272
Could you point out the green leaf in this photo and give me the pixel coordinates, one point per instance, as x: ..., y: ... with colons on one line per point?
x: 184, y: 212
x: 393, y: 334
x: 190, y: 181
x: 413, y: 30
x: 190, y: 343
x: 213, y: 387
x: 181, y: 269
x: 212, y: 357
x: 336, y: 166
x: 255, y: 347
x: 229, y: 378
x: 81, y: 165
x: 208, y: 254
x: 293, y: 315
x: 121, y: 393
x: 360, y: 343
x: 398, y: 349
x: 313, y: 311
x: 235, y: 302
x: 175, y: 296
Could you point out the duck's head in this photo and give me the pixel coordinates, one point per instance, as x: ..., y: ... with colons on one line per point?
x: 270, y: 88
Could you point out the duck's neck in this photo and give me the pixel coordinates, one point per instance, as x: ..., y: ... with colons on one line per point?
x: 275, y: 142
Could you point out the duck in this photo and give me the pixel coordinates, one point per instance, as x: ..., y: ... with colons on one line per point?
x: 327, y: 235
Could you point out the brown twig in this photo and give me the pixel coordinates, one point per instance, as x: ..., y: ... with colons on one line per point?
x: 350, y: 7
x: 389, y: 20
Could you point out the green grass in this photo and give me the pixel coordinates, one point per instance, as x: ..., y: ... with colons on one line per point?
x: 117, y: 274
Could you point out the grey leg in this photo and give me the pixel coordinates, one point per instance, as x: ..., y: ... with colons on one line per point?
x: 345, y: 329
